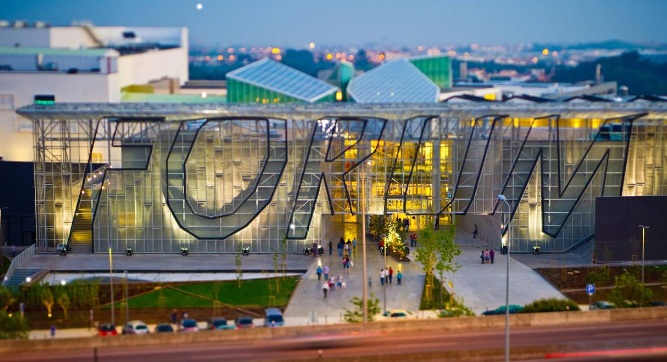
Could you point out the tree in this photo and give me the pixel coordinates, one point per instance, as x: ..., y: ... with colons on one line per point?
x: 47, y: 299
x: 447, y: 252
x: 437, y: 252
x: 393, y: 241
x: 239, y: 263
x: 63, y: 301
x: 629, y: 292
x: 7, y: 298
x: 356, y: 315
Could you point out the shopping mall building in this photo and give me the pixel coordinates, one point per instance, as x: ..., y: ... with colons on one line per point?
x: 211, y: 177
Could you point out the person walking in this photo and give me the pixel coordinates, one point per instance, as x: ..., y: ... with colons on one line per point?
x: 382, y: 277
x: 174, y: 316
x: 391, y: 274
x: 492, y: 254
x: 354, y: 245
x: 481, y: 256
x: 340, y: 246
x: 399, y: 276
x: 325, y: 288
x: 325, y: 270
x: 330, y: 247
x: 319, y: 272
x: 475, y: 230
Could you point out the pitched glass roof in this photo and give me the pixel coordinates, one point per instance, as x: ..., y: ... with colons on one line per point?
x: 396, y: 81
x: 269, y: 74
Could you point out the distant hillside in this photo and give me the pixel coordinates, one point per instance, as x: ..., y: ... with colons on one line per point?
x: 607, y: 44
x: 640, y: 75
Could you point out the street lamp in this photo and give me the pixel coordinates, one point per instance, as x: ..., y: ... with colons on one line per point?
x: 113, y: 319
x: 644, y: 227
x: 363, y: 240
x: 503, y: 199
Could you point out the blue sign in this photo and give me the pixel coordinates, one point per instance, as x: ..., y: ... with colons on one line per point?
x: 449, y: 195
x: 590, y: 289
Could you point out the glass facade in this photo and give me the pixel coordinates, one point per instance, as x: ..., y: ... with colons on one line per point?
x: 161, y: 176
x: 437, y: 68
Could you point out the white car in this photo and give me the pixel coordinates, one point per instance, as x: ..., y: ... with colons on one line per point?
x: 135, y: 327
x: 397, y: 313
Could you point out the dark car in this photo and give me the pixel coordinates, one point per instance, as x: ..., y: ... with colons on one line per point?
x: 273, y: 318
x: 244, y: 322
x: 107, y: 329
x: 219, y: 323
x: 164, y: 328
x: 501, y: 310
x: 188, y: 325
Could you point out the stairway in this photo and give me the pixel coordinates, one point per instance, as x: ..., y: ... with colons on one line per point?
x: 585, y: 248
x: 81, y: 234
x: 19, y: 277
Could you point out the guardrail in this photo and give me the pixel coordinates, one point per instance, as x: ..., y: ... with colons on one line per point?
x: 17, y: 261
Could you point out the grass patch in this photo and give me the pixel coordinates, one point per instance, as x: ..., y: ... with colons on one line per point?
x: 253, y: 292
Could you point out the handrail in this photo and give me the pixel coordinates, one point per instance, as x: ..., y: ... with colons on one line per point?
x: 17, y: 261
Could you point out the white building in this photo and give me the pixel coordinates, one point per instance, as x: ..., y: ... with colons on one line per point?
x: 78, y: 64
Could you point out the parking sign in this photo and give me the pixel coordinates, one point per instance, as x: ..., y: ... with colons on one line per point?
x: 590, y: 289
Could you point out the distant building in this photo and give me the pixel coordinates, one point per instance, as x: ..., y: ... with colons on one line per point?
x: 44, y: 65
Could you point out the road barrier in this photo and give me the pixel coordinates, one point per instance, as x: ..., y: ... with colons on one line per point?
x: 388, y: 326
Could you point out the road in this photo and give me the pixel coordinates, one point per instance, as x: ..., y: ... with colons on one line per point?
x: 623, y: 341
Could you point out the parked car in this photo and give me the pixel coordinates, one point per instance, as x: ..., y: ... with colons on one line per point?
x: 397, y: 313
x: 164, y: 328
x: 107, y: 329
x: 135, y: 327
x: 188, y: 325
x: 244, y: 322
x: 602, y: 304
x: 501, y: 310
x: 273, y: 318
x: 219, y: 323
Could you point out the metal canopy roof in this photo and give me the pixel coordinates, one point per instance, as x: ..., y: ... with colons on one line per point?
x: 175, y: 111
x: 275, y: 76
x: 398, y: 81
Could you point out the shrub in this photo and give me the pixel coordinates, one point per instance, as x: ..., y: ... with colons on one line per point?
x: 551, y: 305
x: 628, y: 292
x: 13, y: 327
x: 356, y: 314
x: 599, y: 276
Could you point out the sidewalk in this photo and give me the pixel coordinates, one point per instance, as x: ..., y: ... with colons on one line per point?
x: 309, y: 305
x: 481, y: 286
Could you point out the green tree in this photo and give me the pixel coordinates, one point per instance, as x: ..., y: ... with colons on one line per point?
x: 239, y: 263
x: 7, y: 298
x: 447, y: 252
x: 629, y: 292
x: 14, y: 327
x: 356, y: 314
x: 47, y: 299
x: 63, y: 301
x: 437, y: 251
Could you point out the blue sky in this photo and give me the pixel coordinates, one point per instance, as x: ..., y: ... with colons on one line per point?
x: 295, y: 23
